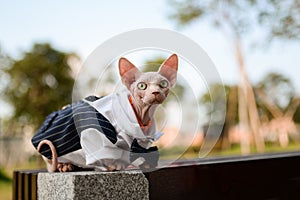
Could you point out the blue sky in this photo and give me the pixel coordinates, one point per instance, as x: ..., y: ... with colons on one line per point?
x: 81, y: 26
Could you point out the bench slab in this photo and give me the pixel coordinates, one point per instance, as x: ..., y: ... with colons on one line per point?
x: 93, y: 185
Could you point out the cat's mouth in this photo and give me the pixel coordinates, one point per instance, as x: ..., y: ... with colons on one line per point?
x: 152, y: 99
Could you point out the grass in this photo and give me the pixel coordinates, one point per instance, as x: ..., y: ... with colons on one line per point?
x: 5, y: 186
x: 6, y: 176
x: 235, y: 150
x: 5, y: 190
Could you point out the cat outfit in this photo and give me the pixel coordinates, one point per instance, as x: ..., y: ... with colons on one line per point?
x: 93, y: 130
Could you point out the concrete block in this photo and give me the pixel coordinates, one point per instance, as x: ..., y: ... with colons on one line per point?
x: 93, y: 185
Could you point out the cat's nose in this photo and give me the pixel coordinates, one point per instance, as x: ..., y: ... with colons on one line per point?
x: 155, y: 93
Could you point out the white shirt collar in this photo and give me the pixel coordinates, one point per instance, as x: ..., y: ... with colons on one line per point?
x: 118, y: 110
x: 127, y: 118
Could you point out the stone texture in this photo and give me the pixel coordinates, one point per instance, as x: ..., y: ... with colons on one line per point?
x: 93, y: 185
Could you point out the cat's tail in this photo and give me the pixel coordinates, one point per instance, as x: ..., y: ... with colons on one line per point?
x: 53, y: 162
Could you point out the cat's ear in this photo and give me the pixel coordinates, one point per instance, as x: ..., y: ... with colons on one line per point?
x: 169, y: 69
x: 128, y: 72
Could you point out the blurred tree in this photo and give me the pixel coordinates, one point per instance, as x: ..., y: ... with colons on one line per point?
x: 233, y: 18
x: 212, y: 106
x: 277, y: 107
x: 281, y: 17
x: 278, y: 90
x: 296, y: 117
x: 231, y: 116
x: 5, y: 63
x: 39, y: 83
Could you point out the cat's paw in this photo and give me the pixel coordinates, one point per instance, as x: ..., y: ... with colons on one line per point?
x: 114, y: 165
x: 65, y: 167
x: 145, y: 166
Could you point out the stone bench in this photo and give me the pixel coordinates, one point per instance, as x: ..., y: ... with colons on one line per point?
x: 93, y: 185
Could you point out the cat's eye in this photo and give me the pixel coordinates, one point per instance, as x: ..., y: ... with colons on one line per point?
x: 163, y: 84
x: 142, y: 86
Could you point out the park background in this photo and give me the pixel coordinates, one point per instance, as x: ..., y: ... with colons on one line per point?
x: 253, y: 44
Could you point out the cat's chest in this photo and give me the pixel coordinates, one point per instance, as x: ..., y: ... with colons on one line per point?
x: 118, y: 110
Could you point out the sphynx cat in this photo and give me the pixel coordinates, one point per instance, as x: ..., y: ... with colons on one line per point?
x: 127, y: 127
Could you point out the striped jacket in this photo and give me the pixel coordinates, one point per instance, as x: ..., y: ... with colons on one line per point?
x: 91, y: 130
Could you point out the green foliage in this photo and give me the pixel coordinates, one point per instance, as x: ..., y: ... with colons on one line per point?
x: 296, y: 116
x: 4, y: 177
x: 215, y: 104
x: 153, y: 65
x: 232, y: 16
x: 40, y: 83
x: 281, y: 17
x: 5, y: 63
x: 187, y: 11
x: 277, y: 18
x: 278, y: 88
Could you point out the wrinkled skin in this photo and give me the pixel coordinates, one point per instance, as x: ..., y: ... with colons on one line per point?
x: 147, y: 91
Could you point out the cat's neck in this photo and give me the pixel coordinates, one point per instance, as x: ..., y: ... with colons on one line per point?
x: 143, y: 113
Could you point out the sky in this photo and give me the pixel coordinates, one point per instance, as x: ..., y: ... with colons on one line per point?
x: 81, y: 26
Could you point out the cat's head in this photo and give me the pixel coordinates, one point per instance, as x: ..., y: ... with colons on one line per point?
x: 151, y: 87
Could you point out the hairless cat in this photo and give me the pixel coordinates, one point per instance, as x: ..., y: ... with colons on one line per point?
x: 112, y: 132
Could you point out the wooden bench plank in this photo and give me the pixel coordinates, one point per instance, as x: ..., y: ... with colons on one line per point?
x: 15, y: 185
x: 20, y: 186
x: 34, y: 186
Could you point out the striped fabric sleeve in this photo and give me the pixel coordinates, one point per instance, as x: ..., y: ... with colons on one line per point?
x: 63, y: 128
